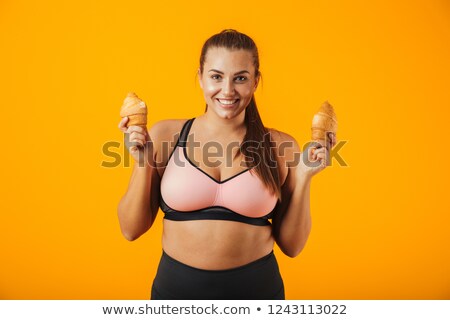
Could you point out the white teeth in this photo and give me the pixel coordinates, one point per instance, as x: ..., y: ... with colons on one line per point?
x: 229, y: 102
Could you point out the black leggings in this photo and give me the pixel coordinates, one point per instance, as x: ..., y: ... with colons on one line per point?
x: 260, y: 279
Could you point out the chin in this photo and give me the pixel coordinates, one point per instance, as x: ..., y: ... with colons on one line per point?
x: 227, y: 114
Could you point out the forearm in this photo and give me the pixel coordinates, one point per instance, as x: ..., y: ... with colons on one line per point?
x: 296, y: 223
x: 134, y: 210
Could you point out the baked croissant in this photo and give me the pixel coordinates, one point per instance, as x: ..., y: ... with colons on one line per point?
x: 323, y: 121
x: 135, y: 109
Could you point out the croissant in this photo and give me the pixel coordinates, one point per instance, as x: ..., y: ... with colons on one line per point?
x: 323, y: 121
x: 135, y: 109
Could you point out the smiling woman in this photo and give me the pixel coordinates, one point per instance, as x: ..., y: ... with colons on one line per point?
x: 232, y: 91
x: 217, y: 237
x: 232, y: 64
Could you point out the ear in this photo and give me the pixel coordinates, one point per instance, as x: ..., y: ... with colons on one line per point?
x: 200, y: 78
x: 257, y: 81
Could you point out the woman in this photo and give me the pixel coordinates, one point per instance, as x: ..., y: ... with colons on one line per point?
x: 217, y: 239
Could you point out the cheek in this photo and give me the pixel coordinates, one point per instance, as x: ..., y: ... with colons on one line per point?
x: 246, y: 92
x: 209, y: 89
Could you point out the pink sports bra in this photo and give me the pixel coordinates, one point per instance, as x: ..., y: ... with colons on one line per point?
x: 189, y: 193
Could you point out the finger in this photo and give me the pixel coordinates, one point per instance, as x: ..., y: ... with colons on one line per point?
x: 331, y: 140
x: 123, y: 124
x: 135, y: 129
x: 319, y: 150
x: 324, y: 157
x: 139, y: 142
x: 136, y: 135
x: 134, y: 149
x: 136, y: 144
x: 320, y: 143
x: 321, y: 156
x: 311, y: 154
x: 136, y: 141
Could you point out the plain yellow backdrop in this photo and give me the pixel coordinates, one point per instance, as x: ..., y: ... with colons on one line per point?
x: 380, y: 224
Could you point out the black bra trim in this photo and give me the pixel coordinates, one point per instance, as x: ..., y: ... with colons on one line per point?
x: 206, y: 174
x: 182, y: 143
x: 178, y: 142
x: 213, y: 213
x: 182, y: 139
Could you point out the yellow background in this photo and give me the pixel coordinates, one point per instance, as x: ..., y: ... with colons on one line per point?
x: 380, y: 225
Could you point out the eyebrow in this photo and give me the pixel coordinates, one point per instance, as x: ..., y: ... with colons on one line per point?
x: 240, y: 72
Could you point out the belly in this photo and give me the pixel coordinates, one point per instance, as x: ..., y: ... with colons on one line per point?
x: 215, y: 244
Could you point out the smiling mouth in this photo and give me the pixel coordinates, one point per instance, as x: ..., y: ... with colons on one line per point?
x: 227, y: 102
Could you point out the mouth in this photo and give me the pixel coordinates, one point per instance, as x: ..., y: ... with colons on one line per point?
x: 227, y: 103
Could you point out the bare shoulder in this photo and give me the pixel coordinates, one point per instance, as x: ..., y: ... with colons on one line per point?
x: 164, y: 134
x: 284, y: 142
x: 286, y: 150
x: 165, y: 130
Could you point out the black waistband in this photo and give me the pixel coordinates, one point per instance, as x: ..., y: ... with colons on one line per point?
x: 251, y: 264
x: 259, y: 279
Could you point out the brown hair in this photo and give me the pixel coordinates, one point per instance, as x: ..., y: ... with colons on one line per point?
x: 257, y: 137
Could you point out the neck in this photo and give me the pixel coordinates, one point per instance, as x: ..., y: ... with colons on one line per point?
x: 221, y: 126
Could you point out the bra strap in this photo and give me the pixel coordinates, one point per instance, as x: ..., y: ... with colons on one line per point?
x: 185, y: 132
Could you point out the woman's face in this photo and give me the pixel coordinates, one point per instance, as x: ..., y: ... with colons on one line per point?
x: 228, y: 81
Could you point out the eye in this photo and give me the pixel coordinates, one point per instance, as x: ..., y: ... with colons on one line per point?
x: 215, y: 76
x: 241, y: 78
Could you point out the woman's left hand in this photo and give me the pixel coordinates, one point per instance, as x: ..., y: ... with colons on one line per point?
x: 315, y: 157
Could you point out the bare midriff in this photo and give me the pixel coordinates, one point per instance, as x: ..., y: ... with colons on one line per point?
x: 216, y: 244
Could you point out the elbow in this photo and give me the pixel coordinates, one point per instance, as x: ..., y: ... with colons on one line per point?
x: 296, y: 249
x: 293, y: 249
x: 130, y: 233
x: 293, y: 252
x: 130, y: 236
x: 128, y: 228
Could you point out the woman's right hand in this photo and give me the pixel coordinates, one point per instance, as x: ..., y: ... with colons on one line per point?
x: 136, y: 139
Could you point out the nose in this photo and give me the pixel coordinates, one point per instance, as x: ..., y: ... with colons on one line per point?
x: 228, y: 88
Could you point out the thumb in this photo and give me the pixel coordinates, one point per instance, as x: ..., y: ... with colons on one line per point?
x: 133, y: 149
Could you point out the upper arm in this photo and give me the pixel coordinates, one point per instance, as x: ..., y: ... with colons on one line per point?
x: 288, y: 151
x: 163, y: 134
x: 288, y: 155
